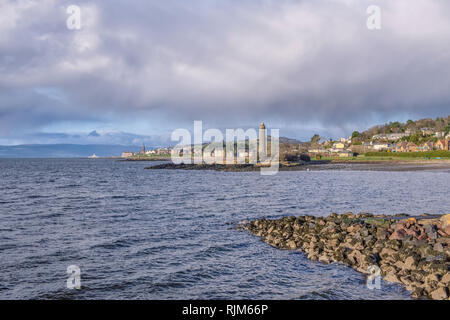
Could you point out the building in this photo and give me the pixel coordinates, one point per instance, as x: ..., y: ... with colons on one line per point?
x: 367, y: 145
x: 142, y: 150
x: 410, y: 132
x: 443, y: 145
x: 411, y: 147
x: 395, y: 136
x: 345, y: 154
x: 381, y: 146
x: 427, y: 131
x: 406, y: 147
x: 162, y: 151
x: 425, y: 147
x: 401, y: 146
x: 440, y: 134
x: 338, y: 145
x: 214, y: 156
x: 127, y: 154
x: 389, y: 136
x: 317, y: 150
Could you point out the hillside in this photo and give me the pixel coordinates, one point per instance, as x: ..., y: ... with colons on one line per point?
x: 438, y: 125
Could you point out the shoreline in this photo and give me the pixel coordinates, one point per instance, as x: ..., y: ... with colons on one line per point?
x: 412, y: 251
x: 318, y: 165
x: 146, y: 159
x: 222, y: 167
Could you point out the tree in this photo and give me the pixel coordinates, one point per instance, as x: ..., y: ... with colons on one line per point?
x: 447, y: 129
x: 415, y: 138
x: 355, y: 134
x: 395, y: 124
x: 315, y: 138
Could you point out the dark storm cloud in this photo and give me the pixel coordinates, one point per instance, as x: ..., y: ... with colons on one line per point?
x: 224, y: 61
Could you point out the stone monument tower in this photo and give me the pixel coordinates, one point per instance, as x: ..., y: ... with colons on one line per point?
x: 262, y: 149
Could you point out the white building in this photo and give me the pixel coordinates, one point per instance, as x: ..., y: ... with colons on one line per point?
x: 427, y: 131
x: 380, y: 146
x: 389, y: 136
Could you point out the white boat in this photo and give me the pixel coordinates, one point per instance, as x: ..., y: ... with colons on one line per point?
x: 93, y: 156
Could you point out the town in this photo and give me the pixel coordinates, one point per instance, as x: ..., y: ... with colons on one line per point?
x: 391, y: 138
x: 416, y: 138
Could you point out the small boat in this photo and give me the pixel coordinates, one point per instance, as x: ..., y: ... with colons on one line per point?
x: 93, y: 156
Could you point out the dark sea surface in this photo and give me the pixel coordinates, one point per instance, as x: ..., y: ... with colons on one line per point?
x: 168, y: 234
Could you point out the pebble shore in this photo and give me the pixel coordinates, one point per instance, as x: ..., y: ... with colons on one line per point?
x: 413, y: 251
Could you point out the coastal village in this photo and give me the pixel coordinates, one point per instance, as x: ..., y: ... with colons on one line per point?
x: 431, y: 140
x: 421, y: 136
x: 148, y: 153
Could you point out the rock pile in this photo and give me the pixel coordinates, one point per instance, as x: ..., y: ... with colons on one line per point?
x: 301, y: 165
x: 413, y: 252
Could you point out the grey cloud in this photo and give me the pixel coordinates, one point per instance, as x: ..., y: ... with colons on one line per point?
x: 232, y: 62
x: 100, y: 138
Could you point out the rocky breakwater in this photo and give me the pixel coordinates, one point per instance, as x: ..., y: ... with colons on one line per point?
x: 301, y: 165
x: 414, y: 252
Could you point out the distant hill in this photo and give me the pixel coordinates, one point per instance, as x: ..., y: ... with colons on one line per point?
x: 63, y: 150
x: 289, y: 140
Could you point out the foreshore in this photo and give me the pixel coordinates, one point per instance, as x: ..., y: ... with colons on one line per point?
x: 147, y: 159
x: 319, y: 165
x: 413, y: 251
x: 225, y: 167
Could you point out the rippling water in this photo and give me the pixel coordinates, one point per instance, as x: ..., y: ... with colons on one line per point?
x: 162, y: 234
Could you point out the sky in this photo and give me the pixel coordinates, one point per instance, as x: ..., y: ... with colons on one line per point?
x: 138, y: 69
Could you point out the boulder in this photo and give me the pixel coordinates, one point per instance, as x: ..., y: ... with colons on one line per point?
x: 438, y: 247
x: 291, y: 245
x: 391, y: 277
x: 387, y: 252
x: 399, y: 264
x: 324, y: 258
x: 446, y: 279
x: 417, y: 292
x: 446, y: 230
x: 410, y: 263
x: 406, y: 280
x: 445, y: 220
x: 399, y: 234
x: 431, y: 278
x: 382, y: 234
x: 430, y: 230
x: 439, y: 294
x: 312, y: 256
